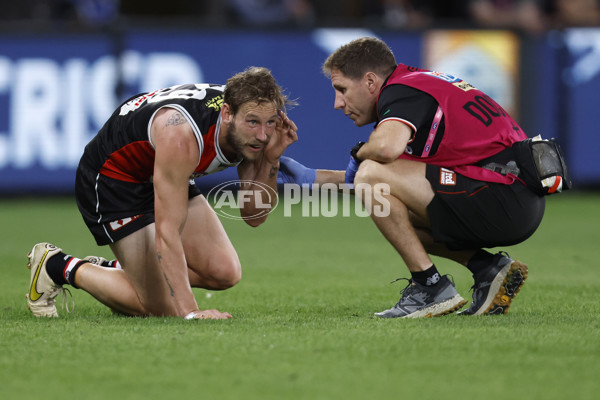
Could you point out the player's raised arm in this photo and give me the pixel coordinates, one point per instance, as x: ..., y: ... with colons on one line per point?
x: 259, y: 174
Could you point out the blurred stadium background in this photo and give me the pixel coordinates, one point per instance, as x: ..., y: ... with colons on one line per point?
x: 66, y: 64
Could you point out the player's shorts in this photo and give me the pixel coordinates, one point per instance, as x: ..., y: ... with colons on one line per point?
x: 470, y: 214
x: 113, y: 209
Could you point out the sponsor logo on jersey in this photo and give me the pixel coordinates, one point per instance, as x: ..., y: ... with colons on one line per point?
x: 459, y: 83
x: 466, y: 86
x: 447, y: 177
x: 443, y: 76
x: 136, y: 103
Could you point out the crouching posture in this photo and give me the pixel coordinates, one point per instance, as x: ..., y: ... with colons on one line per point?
x: 445, y: 151
x: 136, y: 192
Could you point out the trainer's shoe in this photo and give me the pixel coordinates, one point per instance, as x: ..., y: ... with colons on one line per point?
x: 425, y: 301
x: 495, y: 288
x: 42, y: 294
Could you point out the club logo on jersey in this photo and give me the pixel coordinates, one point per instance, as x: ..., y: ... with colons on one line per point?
x: 120, y: 223
x: 215, y: 103
x: 447, y: 177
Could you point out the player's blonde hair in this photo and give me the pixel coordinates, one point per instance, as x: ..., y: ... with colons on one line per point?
x: 255, y: 84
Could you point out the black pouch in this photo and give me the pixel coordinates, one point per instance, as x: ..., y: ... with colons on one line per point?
x: 542, y: 165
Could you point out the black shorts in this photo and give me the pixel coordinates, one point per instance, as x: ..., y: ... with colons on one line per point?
x: 113, y: 209
x: 470, y: 214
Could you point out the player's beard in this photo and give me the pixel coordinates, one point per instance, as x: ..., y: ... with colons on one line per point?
x: 238, y: 144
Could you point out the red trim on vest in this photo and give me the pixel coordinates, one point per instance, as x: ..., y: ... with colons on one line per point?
x: 209, y: 152
x: 133, y: 162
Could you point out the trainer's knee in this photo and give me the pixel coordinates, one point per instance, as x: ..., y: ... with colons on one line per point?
x: 369, y: 172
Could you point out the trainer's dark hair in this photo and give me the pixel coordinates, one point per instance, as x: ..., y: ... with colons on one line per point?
x: 356, y: 58
x: 255, y: 84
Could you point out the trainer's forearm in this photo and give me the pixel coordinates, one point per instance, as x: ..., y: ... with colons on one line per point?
x: 329, y: 176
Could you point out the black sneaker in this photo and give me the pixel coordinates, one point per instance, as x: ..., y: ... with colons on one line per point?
x: 425, y: 301
x: 495, y: 288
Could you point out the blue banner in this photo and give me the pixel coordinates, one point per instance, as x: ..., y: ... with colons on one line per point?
x: 581, y: 77
x: 56, y: 92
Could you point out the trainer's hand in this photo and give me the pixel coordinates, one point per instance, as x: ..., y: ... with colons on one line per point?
x: 353, y: 164
x: 208, y: 314
x: 291, y: 171
x: 351, y: 171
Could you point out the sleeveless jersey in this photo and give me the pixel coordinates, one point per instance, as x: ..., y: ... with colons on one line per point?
x: 123, y: 149
x: 476, y: 127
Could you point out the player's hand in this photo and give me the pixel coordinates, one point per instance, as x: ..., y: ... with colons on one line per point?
x: 208, y: 314
x: 286, y: 133
x: 291, y: 171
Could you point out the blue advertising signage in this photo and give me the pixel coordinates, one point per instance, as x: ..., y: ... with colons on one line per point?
x: 56, y: 92
x: 581, y: 77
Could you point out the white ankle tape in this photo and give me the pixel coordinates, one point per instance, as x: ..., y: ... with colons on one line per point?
x: 190, y: 315
x: 70, y: 265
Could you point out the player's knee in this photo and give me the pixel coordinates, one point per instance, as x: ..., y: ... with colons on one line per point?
x: 226, y: 274
x: 232, y: 275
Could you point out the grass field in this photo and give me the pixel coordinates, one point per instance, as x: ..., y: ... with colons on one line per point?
x: 302, y: 326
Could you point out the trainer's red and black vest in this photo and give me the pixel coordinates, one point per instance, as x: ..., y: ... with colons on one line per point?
x: 476, y: 127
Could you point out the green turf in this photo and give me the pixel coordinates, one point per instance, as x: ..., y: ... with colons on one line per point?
x: 302, y: 326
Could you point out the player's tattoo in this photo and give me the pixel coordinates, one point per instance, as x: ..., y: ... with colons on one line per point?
x: 273, y: 172
x: 169, y: 284
x: 159, y: 256
x: 176, y: 119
